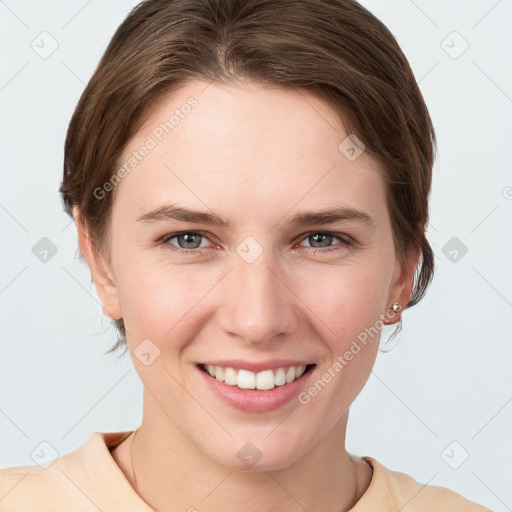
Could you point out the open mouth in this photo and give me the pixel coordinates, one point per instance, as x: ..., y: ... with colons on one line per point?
x: 262, y: 381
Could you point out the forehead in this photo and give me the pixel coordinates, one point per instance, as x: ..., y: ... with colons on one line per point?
x: 243, y: 143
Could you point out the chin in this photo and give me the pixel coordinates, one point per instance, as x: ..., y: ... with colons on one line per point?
x: 257, y: 456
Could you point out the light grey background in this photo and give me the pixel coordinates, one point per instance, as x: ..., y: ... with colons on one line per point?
x: 443, y: 392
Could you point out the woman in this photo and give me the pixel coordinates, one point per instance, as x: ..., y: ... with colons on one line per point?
x: 250, y: 184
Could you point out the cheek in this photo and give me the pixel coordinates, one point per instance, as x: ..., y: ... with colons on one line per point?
x: 160, y: 301
x: 346, y: 298
x: 348, y: 307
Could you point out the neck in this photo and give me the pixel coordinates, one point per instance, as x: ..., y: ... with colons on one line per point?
x: 165, y: 463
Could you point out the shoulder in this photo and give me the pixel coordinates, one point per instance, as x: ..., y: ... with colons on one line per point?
x: 33, y: 488
x: 403, y: 492
x: 71, y: 479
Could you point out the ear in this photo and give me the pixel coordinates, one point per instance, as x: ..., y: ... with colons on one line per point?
x: 401, y: 288
x: 100, y: 273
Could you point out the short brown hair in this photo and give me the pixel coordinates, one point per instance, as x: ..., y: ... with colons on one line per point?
x: 335, y: 49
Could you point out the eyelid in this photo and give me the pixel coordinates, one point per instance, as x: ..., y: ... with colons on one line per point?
x: 341, y: 236
x: 345, y: 242
x: 175, y: 234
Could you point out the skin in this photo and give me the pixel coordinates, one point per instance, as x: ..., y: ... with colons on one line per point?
x: 256, y: 156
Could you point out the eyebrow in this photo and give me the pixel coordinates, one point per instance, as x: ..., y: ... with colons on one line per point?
x: 304, y: 218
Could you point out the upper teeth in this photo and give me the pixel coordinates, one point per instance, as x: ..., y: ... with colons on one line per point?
x: 245, y: 379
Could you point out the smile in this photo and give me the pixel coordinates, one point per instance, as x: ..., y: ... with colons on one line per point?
x: 263, y: 380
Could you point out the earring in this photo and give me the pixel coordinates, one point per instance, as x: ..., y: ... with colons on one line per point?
x: 387, y: 345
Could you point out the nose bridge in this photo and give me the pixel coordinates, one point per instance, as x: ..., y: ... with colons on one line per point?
x: 257, y: 305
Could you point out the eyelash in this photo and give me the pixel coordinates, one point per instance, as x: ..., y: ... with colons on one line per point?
x: 344, y: 240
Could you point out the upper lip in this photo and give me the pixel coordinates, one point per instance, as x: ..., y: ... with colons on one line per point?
x: 256, y: 366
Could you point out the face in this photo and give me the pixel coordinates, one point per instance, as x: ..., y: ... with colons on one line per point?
x: 218, y: 258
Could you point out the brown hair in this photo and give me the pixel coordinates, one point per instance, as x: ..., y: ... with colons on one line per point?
x: 335, y: 49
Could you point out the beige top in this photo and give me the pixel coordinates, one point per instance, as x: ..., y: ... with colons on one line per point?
x: 88, y: 479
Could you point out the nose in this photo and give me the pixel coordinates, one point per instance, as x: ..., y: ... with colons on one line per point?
x: 258, y: 305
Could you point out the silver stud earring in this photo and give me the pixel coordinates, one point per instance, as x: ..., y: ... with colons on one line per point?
x: 387, y: 345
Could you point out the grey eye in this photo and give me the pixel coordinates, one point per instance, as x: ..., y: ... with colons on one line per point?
x: 189, y: 240
x: 323, y: 239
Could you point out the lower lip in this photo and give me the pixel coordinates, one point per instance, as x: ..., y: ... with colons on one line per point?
x: 253, y: 400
